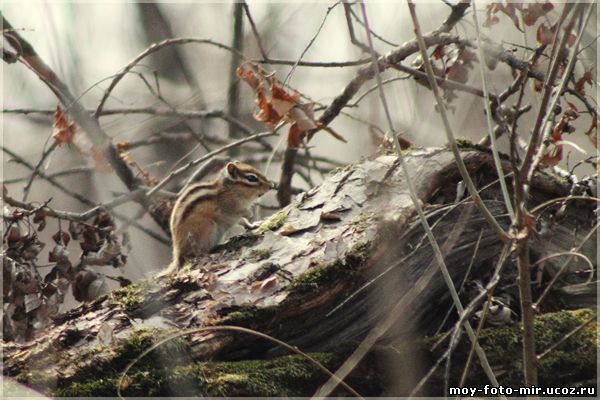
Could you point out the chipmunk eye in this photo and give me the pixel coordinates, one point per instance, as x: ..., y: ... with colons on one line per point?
x: 252, y: 178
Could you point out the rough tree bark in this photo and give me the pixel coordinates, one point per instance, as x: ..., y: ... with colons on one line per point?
x: 286, y: 278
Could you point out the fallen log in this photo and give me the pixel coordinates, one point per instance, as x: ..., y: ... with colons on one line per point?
x: 319, y: 275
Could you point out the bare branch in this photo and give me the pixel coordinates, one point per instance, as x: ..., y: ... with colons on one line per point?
x: 70, y: 171
x: 564, y: 267
x: 349, y: 14
x: 319, y: 64
x: 449, y: 134
x: 96, y: 134
x: 152, y: 49
x: 350, y: 11
x: 380, y: 329
x: 45, y: 155
x: 310, y: 43
x: 205, y: 157
x: 263, y: 53
x: 81, y: 198
x: 233, y: 92
x: 487, y: 104
x: 367, y: 73
x: 186, y: 332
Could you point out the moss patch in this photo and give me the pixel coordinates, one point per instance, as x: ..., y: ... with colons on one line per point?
x: 284, y: 376
x: 102, y: 376
x: 259, y: 254
x: 237, y: 242
x: 325, y: 274
x: 274, y: 222
x: 247, y: 316
x: 569, y: 364
x: 132, y: 296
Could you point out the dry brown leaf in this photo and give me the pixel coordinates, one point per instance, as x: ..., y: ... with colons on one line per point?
x: 592, y: 133
x: 535, y: 11
x: 328, y: 216
x: 263, y: 285
x: 544, y: 35
x: 586, y: 78
x: 275, y: 104
x: 63, y: 130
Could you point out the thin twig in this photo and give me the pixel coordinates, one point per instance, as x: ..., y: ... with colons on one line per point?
x: 464, y: 280
x: 567, y: 253
x: 233, y: 92
x: 559, y: 89
x: 567, y: 336
x: 349, y: 13
x: 524, y: 174
x: 94, y: 132
x: 373, y: 33
x: 158, y: 111
x: 563, y: 267
x: 81, y: 198
x: 490, y: 124
x: 263, y: 53
x: 384, y: 62
x: 205, y: 157
x: 381, y: 328
x: 562, y: 199
x: 463, y: 317
x: 537, y: 133
x: 152, y: 49
x: 482, y: 319
x: 163, y: 112
x: 70, y: 171
x: 310, y: 43
x: 449, y: 134
x: 321, y: 64
x: 45, y: 155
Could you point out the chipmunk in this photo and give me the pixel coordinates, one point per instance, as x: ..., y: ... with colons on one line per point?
x: 206, y: 210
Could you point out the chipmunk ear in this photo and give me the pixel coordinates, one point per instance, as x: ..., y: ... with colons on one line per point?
x: 232, y: 170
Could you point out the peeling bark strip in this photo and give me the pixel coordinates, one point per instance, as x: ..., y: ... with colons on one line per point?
x: 296, y: 278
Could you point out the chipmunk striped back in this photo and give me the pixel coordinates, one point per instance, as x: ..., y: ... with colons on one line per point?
x: 206, y: 210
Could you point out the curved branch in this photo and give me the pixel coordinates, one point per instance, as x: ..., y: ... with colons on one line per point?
x: 152, y: 49
x: 96, y: 134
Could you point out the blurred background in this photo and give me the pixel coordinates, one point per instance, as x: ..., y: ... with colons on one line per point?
x: 87, y: 43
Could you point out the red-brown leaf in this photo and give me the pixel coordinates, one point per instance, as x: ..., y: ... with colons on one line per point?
x: 535, y: 11
x: 294, y: 137
x: 40, y: 218
x: 249, y: 76
x: 544, y: 35
x: 123, y: 146
x: 266, y: 113
x: 586, y: 78
x: 61, y: 237
x: 438, y: 53
x: 63, y: 130
x: 592, y: 132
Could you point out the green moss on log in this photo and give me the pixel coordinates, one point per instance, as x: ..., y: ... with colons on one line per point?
x: 132, y: 296
x: 283, y: 376
x: 319, y: 275
x: 274, y: 222
x: 571, y: 363
x: 237, y: 242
